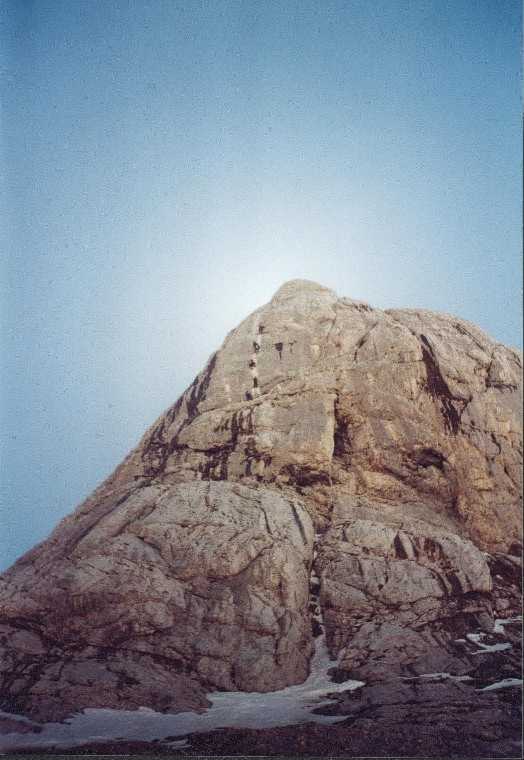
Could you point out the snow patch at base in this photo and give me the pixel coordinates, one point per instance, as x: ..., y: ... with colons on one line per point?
x: 504, y: 684
x: 501, y: 622
x: 229, y: 709
x: 476, y: 638
x: 441, y: 676
x: 238, y: 709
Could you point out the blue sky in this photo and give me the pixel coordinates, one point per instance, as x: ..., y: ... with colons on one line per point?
x: 167, y: 165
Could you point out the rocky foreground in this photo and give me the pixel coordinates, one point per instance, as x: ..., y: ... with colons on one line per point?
x: 336, y: 474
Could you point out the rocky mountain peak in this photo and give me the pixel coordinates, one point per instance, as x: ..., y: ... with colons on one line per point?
x: 301, y: 289
x: 372, y: 456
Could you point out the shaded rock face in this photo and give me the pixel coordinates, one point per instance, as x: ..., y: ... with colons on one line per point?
x: 393, y: 437
x: 175, y: 592
x: 395, y: 601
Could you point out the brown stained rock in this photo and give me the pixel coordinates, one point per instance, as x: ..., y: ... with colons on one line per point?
x: 395, y: 434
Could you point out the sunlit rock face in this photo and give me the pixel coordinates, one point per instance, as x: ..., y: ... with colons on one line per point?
x: 336, y: 400
x: 395, y: 436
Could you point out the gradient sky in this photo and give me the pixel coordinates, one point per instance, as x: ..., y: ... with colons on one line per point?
x: 167, y: 165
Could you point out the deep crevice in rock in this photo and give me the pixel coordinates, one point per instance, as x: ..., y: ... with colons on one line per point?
x: 439, y: 389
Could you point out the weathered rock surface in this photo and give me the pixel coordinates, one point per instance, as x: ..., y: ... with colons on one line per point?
x: 395, y: 600
x: 394, y: 436
x: 416, y: 410
x: 175, y: 592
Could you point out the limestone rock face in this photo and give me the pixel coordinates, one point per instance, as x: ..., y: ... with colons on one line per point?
x: 392, y: 440
x: 392, y: 597
x: 176, y: 591
x: 347, y: 404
